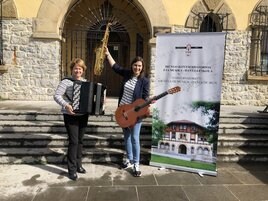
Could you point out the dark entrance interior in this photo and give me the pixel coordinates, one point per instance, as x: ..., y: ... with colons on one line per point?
x: 118, y: 45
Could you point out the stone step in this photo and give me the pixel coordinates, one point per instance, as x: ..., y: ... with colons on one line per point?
x: 233, y: 129
x: 242, y: 154
x: 242, y: 140
x: 40, y: 137
x: 223, y: 128
x: 58, y: 155
x: 58, y: 127
x: 27, y: 140
x: 42, y: 116
x: 250, y: 118
x: 38, y: 116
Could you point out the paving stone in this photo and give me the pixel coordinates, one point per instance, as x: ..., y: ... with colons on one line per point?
x: 126, y: 178
x: 223, y: 177
x: 161, y: 193
x: 250, y: 192
x: 112, y: 194
x: 62, y: 194
x: 23, y: 196
x: 208, y: 193
x: 252, y: 177
x: 177, y: 178
x: 83, y: 180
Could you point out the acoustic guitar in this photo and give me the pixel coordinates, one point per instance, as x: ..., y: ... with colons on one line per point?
x: 127, y: 115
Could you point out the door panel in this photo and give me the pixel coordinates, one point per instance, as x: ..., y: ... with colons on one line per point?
x: 108, y: 76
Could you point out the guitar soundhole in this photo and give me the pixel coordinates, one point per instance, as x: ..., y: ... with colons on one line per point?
x: 124, y: 114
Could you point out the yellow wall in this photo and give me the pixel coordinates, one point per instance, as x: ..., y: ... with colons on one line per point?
x: 241, y: 10
x: 177, y: 10
x: 27, y: 8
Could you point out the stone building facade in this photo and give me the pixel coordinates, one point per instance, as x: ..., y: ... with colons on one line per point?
x: 35, y: 51
x: 32, y: 64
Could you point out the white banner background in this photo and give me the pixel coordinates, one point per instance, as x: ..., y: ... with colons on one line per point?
x: 195, y: 63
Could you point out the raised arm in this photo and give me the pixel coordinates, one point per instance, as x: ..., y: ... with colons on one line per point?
x: 109, y: 57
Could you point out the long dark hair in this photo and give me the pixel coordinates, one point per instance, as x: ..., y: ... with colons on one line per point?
x: 138, y: 58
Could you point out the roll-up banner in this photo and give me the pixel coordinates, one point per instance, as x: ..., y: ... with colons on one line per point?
x: 185, y: 121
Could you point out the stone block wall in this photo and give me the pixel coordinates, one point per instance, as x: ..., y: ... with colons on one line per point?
x: 33, y: 64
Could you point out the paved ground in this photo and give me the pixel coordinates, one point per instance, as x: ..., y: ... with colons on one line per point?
x: 106, y: 182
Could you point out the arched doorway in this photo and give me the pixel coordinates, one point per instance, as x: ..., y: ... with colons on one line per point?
x: 118, y: 45
x: 84, y: 29
x: 182, y: 149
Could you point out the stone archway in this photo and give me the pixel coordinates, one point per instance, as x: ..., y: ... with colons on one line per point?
x: 51, y: 16
x: 84, y: 27
x: 204, y: 7
x: 9, y: 9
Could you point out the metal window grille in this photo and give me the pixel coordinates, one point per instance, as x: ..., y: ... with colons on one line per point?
x: 259, y: 42
x: 210, y: 22
x: 1, y: 33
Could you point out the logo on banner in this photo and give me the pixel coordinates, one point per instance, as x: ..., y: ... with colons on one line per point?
x: 188, y: 48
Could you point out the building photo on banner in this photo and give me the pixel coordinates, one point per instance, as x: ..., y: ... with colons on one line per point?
x: 189, y: 69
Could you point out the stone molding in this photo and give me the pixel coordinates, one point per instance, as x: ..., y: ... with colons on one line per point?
x: 218, y: 7
x: 9, y: 9
x: 3, y: 69
x: 50, y: 18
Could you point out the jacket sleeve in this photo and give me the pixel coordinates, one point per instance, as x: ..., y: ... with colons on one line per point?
x: 120, y: 70
x: 146, y: 89
x: 60, y: 92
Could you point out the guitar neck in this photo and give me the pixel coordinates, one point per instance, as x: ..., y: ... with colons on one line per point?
x: 150, y: 100
x: 159, y: 96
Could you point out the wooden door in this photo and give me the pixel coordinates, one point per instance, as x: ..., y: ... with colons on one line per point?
x: 108, y: 76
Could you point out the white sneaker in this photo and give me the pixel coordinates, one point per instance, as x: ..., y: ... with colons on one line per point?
x: 136, y: 170
x: 127, y: 164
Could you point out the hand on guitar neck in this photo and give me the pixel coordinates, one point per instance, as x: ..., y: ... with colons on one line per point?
x: 128, y: 115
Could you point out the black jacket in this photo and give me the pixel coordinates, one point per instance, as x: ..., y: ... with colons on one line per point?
x: 142, y: 88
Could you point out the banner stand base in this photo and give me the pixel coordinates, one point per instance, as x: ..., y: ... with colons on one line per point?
x: 182, y: 168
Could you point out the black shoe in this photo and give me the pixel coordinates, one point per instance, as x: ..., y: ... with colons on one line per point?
x: 81, y: 170
x: 73, y: 176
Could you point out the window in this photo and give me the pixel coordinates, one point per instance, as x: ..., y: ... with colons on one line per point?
x: 259, y: 52
x: 211, y: 23
x: 173, y: 147
x: 259, y: 43
x: 173, y: 136
x: 192, y: 150
x: 192, y: 138
x: 1, y: 35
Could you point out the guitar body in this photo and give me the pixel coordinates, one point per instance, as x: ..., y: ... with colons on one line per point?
x: 127, y: 115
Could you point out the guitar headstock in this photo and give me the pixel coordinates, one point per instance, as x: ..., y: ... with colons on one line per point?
x: 174, y: 90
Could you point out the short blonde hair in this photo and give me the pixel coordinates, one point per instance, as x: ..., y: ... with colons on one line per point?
x: 80, y: 63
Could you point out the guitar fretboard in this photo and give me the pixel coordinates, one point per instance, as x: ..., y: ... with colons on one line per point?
x: 137, y: 108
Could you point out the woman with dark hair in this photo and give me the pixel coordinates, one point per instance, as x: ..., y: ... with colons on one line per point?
x: 75, y: 124
x: 135, y: 86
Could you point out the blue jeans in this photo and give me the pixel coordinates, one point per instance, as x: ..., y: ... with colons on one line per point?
x: 132, y: 143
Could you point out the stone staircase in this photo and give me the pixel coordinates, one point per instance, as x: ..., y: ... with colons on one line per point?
x: 36, y: 137
x: 243, y: 136
x: 40, y: 137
